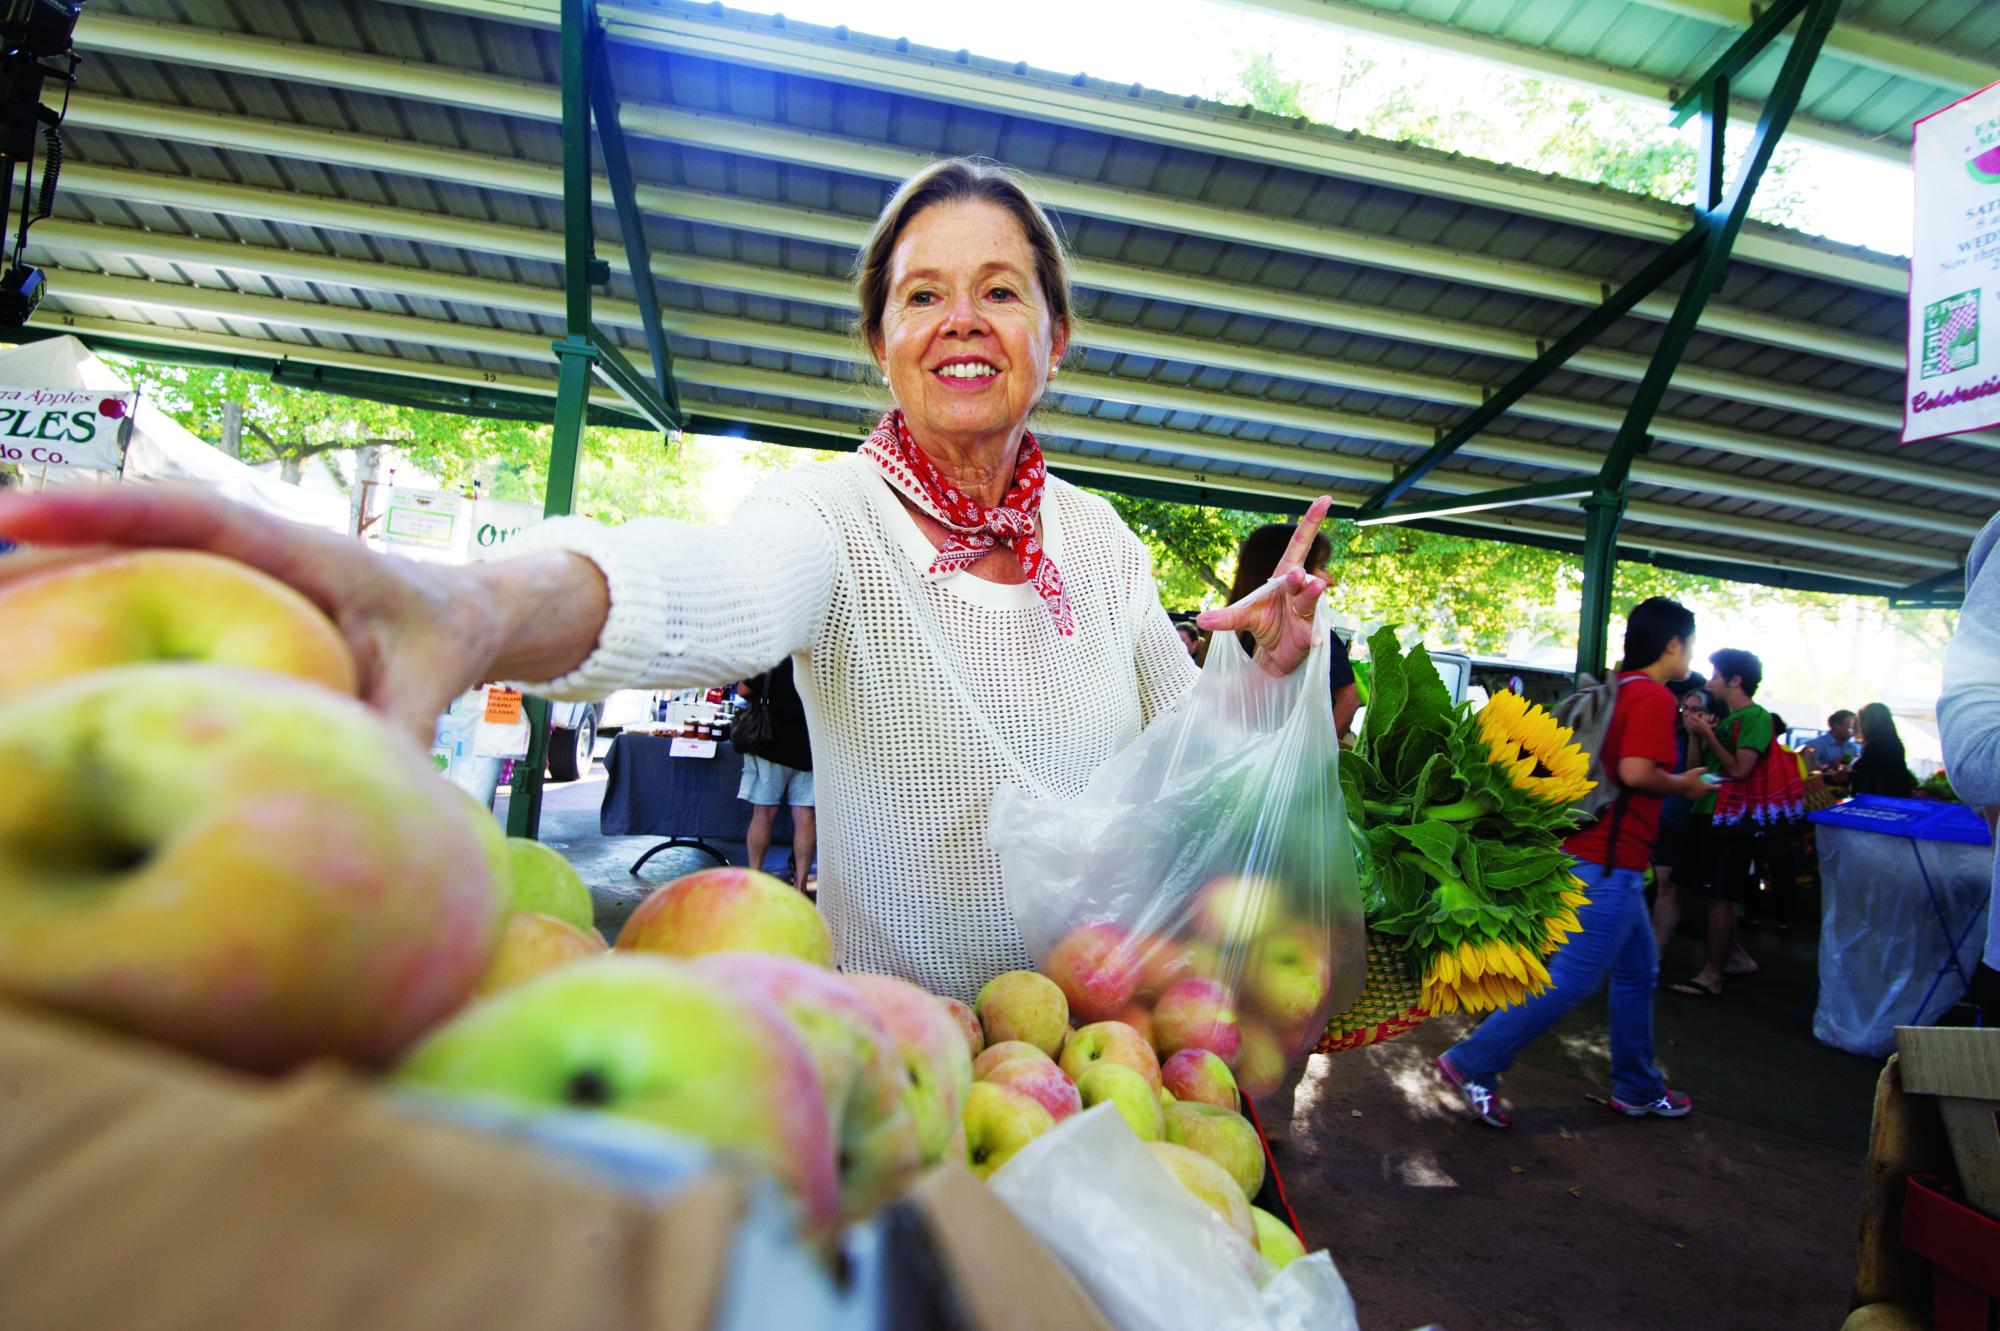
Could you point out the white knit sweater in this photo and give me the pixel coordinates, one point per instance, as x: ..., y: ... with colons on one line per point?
x: 924, y: 693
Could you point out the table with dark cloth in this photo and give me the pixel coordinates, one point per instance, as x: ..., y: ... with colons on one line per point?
x: 690, y: 801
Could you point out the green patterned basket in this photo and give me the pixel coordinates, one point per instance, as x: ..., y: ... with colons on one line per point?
x: 1387, y: 1007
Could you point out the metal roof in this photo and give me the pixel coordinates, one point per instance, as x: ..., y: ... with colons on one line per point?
x: 1272, y: 310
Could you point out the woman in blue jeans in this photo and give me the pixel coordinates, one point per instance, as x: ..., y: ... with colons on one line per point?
x: 1615, y: 942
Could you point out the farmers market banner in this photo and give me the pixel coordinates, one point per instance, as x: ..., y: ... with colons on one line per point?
x: 62, y: 429
x: 1954, y: 353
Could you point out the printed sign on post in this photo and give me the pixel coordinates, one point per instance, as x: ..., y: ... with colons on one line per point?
x: 1954, y: 340
x: 63, y: 429
x: 494, y: 522
x: 425, y: 518
x: 503, y: 706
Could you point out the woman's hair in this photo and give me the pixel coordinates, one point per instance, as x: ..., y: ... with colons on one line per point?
x: 1257, y: 559
x: 1878, y: 723
x: 958, y: 180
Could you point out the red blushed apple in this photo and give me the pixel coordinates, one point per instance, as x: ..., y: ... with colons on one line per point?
x: 533, y: 944
x: 728, y: 910
x: 1197, y: 1014
x: 235, y: 862
x: 1140, y: 1018
x: 935, y: 1064
x: 998, y: 1122
x: 163, y: 605
x: 1162, y: 962
x: 1110, y: 1042
x: 968, y: 1022
x: 993, y: 1055
x: 1197, y: 1074
x: 1044, y: 1083
x: 1097, y: 968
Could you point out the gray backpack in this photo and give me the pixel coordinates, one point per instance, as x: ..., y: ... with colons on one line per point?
x: 1587, y: 713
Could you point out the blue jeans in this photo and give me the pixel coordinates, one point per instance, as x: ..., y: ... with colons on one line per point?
x: 1616, y: 940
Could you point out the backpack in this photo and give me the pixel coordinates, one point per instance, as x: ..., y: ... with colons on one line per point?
x: 1587, y: 713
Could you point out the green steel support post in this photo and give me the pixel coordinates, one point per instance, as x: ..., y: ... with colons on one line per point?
x: 638, y: 255
x: 1601, y: 515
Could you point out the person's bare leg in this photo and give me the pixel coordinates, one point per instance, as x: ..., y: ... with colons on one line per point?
x: 1721, y: 942
x: 758, y: 839
x: 1666, y: 906
x: 805, y: 839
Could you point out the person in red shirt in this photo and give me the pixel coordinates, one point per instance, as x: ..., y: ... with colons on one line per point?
x: 1616, y: 939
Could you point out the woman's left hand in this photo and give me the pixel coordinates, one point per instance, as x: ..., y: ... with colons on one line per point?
x: 1279, y: 615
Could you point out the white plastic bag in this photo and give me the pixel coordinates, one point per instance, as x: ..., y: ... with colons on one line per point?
x: 1206, y: 872
x: 1151, y: 1256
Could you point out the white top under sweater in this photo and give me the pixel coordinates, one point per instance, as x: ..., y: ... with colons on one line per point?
x: 824, y: 563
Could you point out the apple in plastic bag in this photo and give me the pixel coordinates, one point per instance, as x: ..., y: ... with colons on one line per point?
x: 1110, y: 1042
x: 1210, y: 1184
x: 1197, y: 1014
x: 1162, y: 963
x: 652, y: 1039
x: 532, y: 945
x: 1022, y: 1005
x: 1045, y: 1083
x: 1288, y: 977
x: 993, y: 1055
x: 1139, y: 1017
x: 1136, y: 1100
x: 935, y: 1062
x: 728, y: 910
x: 1097, y: 968
x: 1222, y: 1135
x: 1275, y: 1239
x: 1237, y: 910
x: 1198, y: 1075
x: 1261, y: 1063
x: 999, y: 1121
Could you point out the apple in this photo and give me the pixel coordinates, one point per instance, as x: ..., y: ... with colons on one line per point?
x: 937, y: 1068
x: 1097, y: 968
x: 1275, y: 1239
x: 1197, y: 1014
x: 650, y: 1038
x: 968, y: 1023
x: 239, y: 863
x: 993, y: 1055
x: 998, y: 1121
x: 1021, y: 1005
x: 160, y: 606
x: 1198, y: 1075
x: 1162, y: 962
x: 1166, y: 1097
x: 1261, y: 1060
x: 1045, y: 1083
x: 859, y: 1064
x: 546, y: 883
x: 1224, y: 1136
x: 1139, y: 1017
x: 1232, y: 911
x: 1288, y: 977
x: 532, y: 945
x: 1110, y: 1042
x: 728, y: 910
x: 1129, y: 1093
x: 1210, y: 1184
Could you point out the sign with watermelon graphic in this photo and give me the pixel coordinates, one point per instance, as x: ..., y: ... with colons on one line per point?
x: 1954, y: 338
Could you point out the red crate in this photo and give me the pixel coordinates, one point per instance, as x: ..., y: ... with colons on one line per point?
x: 1963, y: 1247
x: 1272, y: 1195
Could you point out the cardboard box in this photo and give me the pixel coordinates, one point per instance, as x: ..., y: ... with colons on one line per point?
x: 142, y: 1189
x: 1960, y: 1066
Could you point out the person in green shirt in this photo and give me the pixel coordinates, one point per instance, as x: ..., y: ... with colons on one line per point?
x: 1733, y: 747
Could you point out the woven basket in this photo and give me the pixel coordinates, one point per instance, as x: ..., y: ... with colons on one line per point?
x: 1388, y: 1004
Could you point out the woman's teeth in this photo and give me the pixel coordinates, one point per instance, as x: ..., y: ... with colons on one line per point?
x: 967, y: 371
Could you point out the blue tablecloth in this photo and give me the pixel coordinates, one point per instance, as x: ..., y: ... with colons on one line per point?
x: 651, y: 793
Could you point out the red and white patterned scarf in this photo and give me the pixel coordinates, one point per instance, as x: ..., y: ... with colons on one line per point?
x: 973, y: 528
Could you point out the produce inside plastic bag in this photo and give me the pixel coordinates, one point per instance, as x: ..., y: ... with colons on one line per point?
x: 1146, y: 1251
x: 1206, y: 874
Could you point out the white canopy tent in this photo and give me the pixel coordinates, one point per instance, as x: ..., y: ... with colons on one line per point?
x: 161, y: 449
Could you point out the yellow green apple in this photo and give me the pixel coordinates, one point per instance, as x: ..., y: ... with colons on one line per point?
x: 75, y: 616
x: 993, y: 1055
x: 1197, y: 1014
x: 1198, y: 1075
x: 1110, y: 1042
x: 1041, y: 1081
x: 1287, y: 977
x: 728, y: 910
x: 1276, y: 1239
x: 1236, y: 910
x: 998, y: 1121
x: 546, y: 883
x: 531, y: 945
x: 1222, y: 1135
x: 1261, y: 1061
x: 1022, y: 1005
x: 1209, y: 1184
x: 1096, y: 966
x: 650, y: 1038
x: 1129, y: 1093
x: 244, y: 864
x: 936, y: 1068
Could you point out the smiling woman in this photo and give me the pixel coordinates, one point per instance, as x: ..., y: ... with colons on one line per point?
x: 958, y: 619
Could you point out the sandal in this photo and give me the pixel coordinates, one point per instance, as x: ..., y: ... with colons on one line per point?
x: 1694, y: 988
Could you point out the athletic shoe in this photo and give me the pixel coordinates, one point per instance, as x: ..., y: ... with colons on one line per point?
x: 1673, y: 1104
x: 1482, y: 1101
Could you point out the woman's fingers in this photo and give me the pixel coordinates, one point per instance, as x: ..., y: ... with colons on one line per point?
x: 1302, y: 538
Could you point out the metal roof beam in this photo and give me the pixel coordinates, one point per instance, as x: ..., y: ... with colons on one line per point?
x: 1869, y: 48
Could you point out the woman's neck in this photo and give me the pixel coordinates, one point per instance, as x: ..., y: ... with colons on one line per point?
x: 981, y: 468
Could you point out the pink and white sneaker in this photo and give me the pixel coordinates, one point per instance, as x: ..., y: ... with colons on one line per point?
x: 1482, y: 1101
x: 1671, y: 1104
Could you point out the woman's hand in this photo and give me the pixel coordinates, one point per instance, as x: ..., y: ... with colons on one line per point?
x: 1279, y: 615
x: 421, y: 634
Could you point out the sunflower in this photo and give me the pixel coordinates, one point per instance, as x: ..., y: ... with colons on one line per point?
x: 1480, y: 975
x: 1538, y: 756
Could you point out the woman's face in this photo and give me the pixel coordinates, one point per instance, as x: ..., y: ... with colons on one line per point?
x: 967, y: 338
x: 1693, y: 704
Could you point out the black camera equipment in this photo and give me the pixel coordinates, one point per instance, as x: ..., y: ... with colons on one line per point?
x: 33, y: 35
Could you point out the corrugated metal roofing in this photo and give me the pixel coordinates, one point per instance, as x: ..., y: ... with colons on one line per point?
x: 1272, y: 309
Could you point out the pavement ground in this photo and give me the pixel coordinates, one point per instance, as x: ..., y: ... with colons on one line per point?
x: 1740, y: 1217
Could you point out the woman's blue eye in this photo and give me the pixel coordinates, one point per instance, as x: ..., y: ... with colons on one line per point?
x: 920, y: 298
x: 1001, y: 293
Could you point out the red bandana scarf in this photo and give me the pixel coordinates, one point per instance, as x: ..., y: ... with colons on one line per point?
x: 973, y: 528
